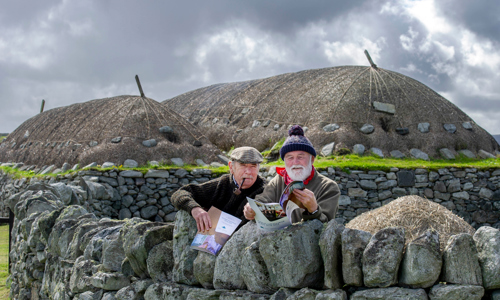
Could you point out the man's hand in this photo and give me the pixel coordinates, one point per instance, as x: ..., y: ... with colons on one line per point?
x: 307, y: 198
x: 248, y: 212
x: 202, y: 218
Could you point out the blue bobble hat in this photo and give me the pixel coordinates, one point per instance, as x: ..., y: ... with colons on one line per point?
x: 296, y: 141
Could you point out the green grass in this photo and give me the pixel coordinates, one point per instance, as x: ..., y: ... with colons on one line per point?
x: 4, y: 261
x: 2, y: 138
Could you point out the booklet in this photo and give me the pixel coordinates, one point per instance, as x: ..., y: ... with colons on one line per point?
x: 274, y: 216
x: 223, y: 226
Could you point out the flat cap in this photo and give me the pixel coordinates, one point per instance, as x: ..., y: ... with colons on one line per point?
x: 246, y: 155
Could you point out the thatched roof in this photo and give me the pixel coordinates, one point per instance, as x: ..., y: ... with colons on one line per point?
x: 83, y: 133
x: 342, y: 95
x: 416, y: 215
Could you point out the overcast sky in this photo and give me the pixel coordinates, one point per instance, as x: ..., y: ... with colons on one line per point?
x: 74, y: 51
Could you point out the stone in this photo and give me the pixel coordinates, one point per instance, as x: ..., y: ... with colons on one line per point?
x: 276, y: 127
x: 393, y: 293
x: 184, y: 256
x: 358, y: 149
x: 368, y: 184
x: 486, y: 193
x: 166, y: 129
x: 139, y: 237
x: 109, y: 281
x: 467, y: 125
x: 330, y: 246
x: 81, y: 276
x: 254, y: 272
x: 377, y: 152
x: 356, y: 192
x: 422, y: 262
x: 124, y: 214
x: 157, y: 174
x: 367, y: 128
x: 116, y: 139
x: 299, y: 241
x: 130, y: 163
x: 461, y: 254
x: 456, y: 292
x: 160, y: 261
x: 353, y: 244
x: 487, y: 241
x: 107, y: 165
x: 467, y: 153
x: 149, y: 212
x: 446, y: 153
x: 65, y: 193
x: 387, y: 184
x: 203, y: 268
x: 331, y: 295
x: 423, y: 127
x: 327, y: 150
x: 93, y: 143
x: 131, y: 174
x: 451, y: 128
x: 216, y: 164
x: 344, y: 200
x: 402, y: 131
x: 200, y: 162
x: 149, y: 143
x: 382, y: 257
x: 384, y: 107
x: 397, y: 154
x: 461, y: 195
x: 330, y: 127
x: 485, y: 155
x: 256, y: 123
x: 228, y: 267
x: 223, y: 159
x: 418, y: 154
x: 177, y: 161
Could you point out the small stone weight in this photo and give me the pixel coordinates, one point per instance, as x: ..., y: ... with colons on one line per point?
x: 402, y: 131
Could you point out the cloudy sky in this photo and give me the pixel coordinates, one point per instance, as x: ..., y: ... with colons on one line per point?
x: 74, y: 51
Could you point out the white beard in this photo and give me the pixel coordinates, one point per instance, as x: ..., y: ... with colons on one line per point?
x: 298, y: 172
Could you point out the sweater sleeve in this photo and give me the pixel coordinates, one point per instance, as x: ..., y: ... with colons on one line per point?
x: 328, y: 200
x: 193, y: 195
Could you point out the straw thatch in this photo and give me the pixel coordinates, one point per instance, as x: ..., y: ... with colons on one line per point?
x: 342, y: 95
x: 65, y: 134
x: 416, y: 215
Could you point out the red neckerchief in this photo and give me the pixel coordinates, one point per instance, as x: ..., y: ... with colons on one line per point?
x: 282, y: 172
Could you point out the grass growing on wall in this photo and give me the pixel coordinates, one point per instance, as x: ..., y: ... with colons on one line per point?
x: 4, y: 261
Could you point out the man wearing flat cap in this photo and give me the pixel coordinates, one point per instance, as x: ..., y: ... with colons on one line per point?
x: 228, y: 193
x: 320, y: 197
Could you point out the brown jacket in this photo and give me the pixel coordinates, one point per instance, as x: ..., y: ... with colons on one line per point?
x: 327, y: 194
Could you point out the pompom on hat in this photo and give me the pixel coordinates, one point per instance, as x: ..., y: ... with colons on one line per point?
x: 296, y: 141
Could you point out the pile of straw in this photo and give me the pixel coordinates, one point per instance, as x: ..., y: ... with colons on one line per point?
x: 415, y: 214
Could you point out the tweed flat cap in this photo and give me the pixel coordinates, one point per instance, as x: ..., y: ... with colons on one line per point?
x: 246, y: 155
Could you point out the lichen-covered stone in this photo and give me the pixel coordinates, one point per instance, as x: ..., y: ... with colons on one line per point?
x: 394, y: 293
x: 299, y: 241
x: 203, y: 268
x: 227, y: 273
x: 488, y: 247
x: 382, y: 257
x: 330, y: 246
x: 254, y: 271
x: 422, y: 261
x: 353, y: 244
x: 184, y: 256
x: 161, y: 261
x: 456, y: 292
x: 459, y: 255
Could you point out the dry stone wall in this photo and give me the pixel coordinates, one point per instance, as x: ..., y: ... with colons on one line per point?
x: 472, y: 194
x: 62, y: 251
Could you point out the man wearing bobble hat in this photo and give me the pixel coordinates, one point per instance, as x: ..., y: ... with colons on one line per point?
x: 320, y: 197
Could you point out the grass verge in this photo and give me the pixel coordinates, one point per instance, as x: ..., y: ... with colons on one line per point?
x: 4, y: 261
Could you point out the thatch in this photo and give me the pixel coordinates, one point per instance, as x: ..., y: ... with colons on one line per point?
x: 65, y: 134
x: 416, y: 215
x: 342, y: 95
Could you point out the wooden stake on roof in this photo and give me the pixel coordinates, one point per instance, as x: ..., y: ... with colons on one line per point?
x: 43, y: 105
x: 139, y: 85
x: 370, y: 59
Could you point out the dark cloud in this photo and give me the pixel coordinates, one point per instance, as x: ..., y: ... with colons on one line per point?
x: 67, y: 51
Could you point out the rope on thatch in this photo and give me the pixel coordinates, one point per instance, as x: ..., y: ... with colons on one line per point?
x: 416, y: 215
